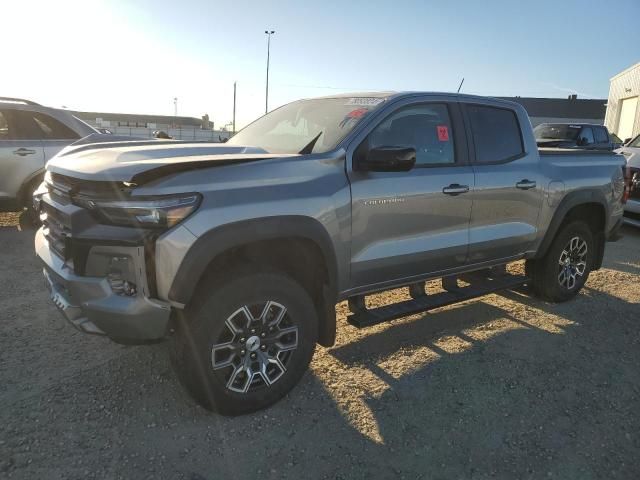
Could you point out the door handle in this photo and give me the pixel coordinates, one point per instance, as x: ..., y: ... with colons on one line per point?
x: 24, y: 151
x: 526, y: 184
x: 455, y: 189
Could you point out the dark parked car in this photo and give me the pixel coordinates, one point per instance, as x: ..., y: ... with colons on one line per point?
x: 575, y: 135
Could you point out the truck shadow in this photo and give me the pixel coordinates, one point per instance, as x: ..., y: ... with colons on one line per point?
x: 505, y: 389
x: 484, y: 392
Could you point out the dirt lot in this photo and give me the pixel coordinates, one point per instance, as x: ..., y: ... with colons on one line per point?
x: 501, y: 387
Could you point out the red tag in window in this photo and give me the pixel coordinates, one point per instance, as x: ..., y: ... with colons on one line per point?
x: 443, y: 133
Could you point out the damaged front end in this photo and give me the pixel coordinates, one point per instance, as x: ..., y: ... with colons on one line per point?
x: 97, y: 246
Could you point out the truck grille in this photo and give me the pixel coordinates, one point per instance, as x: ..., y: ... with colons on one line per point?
x: 57, y: 224
x: 57, y: 230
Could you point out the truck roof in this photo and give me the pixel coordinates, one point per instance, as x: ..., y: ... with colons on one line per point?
x: 410, y: 93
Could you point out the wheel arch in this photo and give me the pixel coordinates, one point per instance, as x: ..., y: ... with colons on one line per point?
x: 587, y: 205
x: 34, y: 179
x: 297, y: 245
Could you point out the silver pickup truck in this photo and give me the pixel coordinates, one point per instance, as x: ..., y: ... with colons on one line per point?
x: 238, y: 253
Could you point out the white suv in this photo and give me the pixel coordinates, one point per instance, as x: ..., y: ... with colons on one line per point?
x: 31, y: 134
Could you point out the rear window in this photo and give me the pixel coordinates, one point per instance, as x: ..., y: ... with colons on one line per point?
x: 601, y: 135
x: 496, y: 134
x: 557, y: 132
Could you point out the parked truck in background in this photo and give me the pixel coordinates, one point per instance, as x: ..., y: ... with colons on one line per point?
x: 631, y: 151
x: 238, y: 253
x: 575, y: 135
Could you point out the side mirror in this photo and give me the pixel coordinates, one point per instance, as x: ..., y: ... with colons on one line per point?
x: 388, y: 159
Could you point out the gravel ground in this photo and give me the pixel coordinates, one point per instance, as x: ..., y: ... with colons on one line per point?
x: 505, y: 386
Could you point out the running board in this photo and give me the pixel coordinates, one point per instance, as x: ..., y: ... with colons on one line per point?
x: 479, y: 285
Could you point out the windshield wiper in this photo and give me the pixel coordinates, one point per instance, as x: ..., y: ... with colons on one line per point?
x: 308, y: 148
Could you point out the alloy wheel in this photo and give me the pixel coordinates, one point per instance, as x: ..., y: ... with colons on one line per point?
x: 572, y: 263
x: 255, y: 347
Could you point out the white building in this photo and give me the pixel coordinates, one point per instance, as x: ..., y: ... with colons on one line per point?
x: 623, y: 112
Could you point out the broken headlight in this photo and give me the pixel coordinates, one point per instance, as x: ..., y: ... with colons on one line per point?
x: 155, y: 212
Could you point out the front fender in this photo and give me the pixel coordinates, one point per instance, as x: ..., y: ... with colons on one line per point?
x: 220, y: 239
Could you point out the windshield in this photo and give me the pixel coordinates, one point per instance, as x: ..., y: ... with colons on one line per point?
x: 307, y: 126
x: 556, y: 132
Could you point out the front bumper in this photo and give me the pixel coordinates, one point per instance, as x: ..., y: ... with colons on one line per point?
x: 90, y: 304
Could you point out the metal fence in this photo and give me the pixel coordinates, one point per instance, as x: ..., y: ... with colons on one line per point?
x: 177, y: 133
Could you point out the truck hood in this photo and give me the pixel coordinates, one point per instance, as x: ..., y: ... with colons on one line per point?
x: 142, y: 161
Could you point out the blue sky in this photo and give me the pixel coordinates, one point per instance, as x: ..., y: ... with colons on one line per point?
x: 135, y: 56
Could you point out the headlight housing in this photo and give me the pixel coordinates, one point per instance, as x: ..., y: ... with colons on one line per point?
x: 147, y: 212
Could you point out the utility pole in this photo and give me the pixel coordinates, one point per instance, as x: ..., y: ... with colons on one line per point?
x: 266, y: 99
x: 234, y: 108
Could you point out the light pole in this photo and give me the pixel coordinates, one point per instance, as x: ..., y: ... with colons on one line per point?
x: 266, y: 99
x: 234, y: 108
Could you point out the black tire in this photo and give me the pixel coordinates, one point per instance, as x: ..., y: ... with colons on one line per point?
x: 203, y: 326
x: 29, y: 218
x: 550, y: 280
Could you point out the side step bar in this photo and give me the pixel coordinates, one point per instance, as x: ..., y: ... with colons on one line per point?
x: 480, y: 283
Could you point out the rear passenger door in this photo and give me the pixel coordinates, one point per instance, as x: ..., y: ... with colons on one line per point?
x: 508, y: 192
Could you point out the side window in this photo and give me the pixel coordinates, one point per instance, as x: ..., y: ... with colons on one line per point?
x: 52, y: 128
x: 18, y: 125
x: 427, y: 128
x: 586, y: 136
x: 5, y: 134
x: 601, y: 135
x: 496, y: 134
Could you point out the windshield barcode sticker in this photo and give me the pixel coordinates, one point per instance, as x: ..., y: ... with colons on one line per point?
x: 365, y: 101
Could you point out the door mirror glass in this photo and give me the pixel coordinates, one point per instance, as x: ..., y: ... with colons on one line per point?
x: 388, y: 159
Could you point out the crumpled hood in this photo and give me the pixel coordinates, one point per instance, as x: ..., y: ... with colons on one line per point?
x: 141, y: 161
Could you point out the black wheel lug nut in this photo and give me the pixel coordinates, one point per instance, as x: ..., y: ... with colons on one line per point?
x: 242, y: 352
x: 242, y: 340
x: 263, y: 334
x: 253, y: 356
x: 263, y: 347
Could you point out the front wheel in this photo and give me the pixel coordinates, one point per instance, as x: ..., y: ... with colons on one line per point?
x: 565, y: 268
x: 245, y: 342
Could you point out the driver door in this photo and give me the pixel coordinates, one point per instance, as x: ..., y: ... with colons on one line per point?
x: 409, y: 224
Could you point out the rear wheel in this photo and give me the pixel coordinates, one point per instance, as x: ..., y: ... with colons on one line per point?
x: 245, y: 343
x: 565, y: 268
